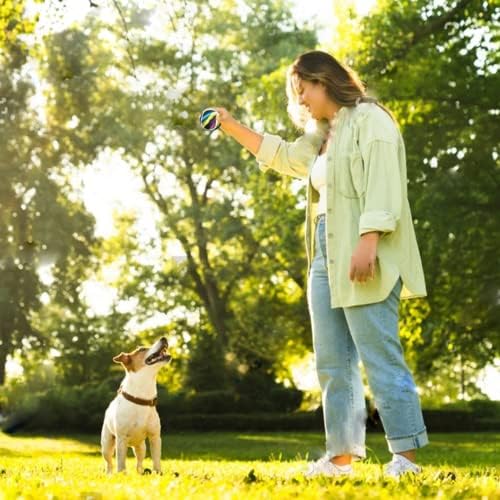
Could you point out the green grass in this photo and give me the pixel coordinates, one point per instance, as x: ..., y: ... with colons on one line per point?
x: 243, y: 465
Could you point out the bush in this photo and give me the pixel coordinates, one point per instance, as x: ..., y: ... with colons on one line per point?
x: 301, y: 421
x: 279, y: 399
x: 81, y: 409
x: 485, y: 407
x: 201, y: 402
x: 285, y: 399
x: 436, y: 421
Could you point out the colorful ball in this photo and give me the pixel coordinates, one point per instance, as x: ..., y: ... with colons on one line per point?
x: 208, y: 119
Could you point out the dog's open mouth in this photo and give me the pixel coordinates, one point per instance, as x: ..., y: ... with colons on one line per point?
x: 158, y: 356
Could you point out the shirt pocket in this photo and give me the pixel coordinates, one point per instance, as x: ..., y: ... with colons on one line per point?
x: 350, y: 175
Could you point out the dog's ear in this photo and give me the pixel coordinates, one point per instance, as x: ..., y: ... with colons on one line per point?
x: 123, y: 358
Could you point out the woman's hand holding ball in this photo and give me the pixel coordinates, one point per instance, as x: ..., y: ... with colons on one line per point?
x: 216, y: 117
x: 224, y: 116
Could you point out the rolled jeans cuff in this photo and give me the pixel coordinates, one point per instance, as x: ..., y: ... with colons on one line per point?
x: 405, y: 443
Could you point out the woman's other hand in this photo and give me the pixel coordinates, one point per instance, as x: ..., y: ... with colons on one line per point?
x: 364, y: 257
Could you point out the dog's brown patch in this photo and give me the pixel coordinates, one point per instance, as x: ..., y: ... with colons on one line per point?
x: 132, y: 361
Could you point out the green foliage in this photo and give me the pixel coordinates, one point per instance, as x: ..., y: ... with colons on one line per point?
x: 206, y: 366
x: 237, y: 299
x: 56, y: 406
x: 44, y: 400
x: 14, y: 23
x: 40, y: 223
x: 238, y: 228
x: 223, y: 402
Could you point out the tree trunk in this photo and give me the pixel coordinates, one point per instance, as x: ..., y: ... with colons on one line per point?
x: 3, y: 363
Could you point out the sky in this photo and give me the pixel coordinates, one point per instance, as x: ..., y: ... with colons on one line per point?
x: 108, y: 185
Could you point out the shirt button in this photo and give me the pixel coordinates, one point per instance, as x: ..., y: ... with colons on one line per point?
x: 329, y: 210
x: 330, y: 235
x: 330, y: 184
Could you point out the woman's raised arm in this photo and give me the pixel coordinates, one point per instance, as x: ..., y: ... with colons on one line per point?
x: 271, y: 151
x: 247, y: 137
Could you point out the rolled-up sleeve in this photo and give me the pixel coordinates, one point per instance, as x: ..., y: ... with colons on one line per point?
x: 267, y: 151
x: 382, y: 187
x: 290, y: 158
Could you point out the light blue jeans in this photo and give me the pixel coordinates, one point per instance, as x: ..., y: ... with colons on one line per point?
x: 341, y: 337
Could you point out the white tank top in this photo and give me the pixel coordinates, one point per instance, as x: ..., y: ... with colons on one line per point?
x: 318, y: 181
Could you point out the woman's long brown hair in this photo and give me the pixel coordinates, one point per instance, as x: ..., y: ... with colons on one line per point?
x: 342, y: 84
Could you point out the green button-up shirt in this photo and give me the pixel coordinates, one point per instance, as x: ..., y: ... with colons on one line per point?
x: 366, y: 191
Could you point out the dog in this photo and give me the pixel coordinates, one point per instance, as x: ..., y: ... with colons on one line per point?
x: 132, y: 415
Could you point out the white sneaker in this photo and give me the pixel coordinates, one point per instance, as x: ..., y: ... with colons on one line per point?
x: 400, y: 465
x: 323, y: 467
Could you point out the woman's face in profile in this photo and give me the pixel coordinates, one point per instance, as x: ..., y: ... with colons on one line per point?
x: 313, y: 96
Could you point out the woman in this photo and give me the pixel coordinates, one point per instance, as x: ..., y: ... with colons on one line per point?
x: 362, y: 255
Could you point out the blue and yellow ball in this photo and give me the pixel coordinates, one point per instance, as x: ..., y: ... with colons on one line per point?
x: 208, y: 119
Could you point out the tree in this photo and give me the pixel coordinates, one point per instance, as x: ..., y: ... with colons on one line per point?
x: 240, y: 231
x: 39, y: 224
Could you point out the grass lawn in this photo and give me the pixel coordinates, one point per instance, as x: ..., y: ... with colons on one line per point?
x: 243, y: 465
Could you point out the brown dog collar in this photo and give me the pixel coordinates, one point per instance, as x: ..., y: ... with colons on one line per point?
x: 137, y: 401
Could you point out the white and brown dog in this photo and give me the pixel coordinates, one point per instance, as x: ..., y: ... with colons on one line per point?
x: 132, y: 415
